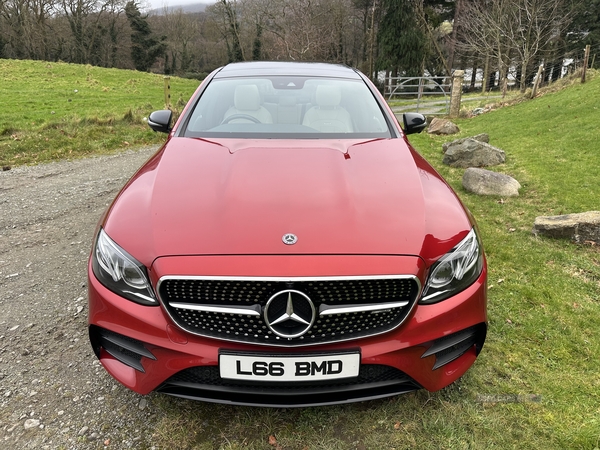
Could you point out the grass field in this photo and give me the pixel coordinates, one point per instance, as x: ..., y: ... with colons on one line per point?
x: 58, y: 111
x: 536, y: 384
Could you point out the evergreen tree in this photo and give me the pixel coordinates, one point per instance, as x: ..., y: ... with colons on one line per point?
x: 401, y: 43
x: 257, y: 44
x: 585, y: 28
x: 145, y: 47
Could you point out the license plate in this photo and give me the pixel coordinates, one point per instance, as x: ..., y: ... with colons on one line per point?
x: 257, y: 367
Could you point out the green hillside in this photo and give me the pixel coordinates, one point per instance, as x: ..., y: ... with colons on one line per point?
x: 551, y: 143
x: 57, y: 110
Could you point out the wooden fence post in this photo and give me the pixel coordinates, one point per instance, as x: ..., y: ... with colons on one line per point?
x: 537, y: 82
x: 457, y: 82
x: 586, y: 58
x: 167, y: 92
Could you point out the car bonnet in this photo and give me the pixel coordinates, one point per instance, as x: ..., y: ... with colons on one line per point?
x: 241, y: 197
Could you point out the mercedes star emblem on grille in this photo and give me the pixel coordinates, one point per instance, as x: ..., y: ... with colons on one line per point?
x: 289, y: 314
x: 289, y: 239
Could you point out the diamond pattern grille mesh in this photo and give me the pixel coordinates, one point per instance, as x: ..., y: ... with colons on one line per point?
x: 253, y: 329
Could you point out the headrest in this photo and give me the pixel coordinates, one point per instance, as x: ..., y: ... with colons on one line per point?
x: 328, y: 95
x: 246, y: 97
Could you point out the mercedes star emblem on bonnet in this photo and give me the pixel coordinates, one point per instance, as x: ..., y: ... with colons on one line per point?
x: 289, y: 239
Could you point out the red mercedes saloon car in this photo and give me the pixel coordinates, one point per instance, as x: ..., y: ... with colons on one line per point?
x: 286, y: 247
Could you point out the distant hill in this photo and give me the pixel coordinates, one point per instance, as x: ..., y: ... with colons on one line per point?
x: 191, y: 8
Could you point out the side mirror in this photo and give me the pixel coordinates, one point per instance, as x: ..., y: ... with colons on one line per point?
x: 414, y: 123
x: 161, y: 120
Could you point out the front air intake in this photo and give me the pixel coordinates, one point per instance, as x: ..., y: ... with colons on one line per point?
x: 127, y: 350
x: 453, y: 346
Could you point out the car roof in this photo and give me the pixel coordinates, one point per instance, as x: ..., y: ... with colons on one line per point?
x: 269, y: 68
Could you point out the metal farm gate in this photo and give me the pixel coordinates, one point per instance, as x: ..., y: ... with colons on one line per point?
x: 426, y: 95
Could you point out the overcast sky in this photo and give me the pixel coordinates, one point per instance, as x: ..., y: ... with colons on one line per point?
x: 156, y: 4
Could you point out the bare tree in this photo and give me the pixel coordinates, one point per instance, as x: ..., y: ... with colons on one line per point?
x: 15, y: 14
x: 536, y: 24
x: 225, y: 14
x: 84, y: 17
x: 511, y: 32
x: 291, y: 26
x: 115, y: 33
x: 182, y: 31
x: 457, y: 24
x: 306, y: 29
x: 486, y: 34
x: 26, y: 27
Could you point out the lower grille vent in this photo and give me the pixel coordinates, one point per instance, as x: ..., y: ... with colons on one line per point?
x: 204, y: 383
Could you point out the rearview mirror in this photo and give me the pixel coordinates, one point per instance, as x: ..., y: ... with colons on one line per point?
x: 414, y: 123
x: 161, y: 120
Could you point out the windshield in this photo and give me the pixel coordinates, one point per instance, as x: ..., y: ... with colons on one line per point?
x: 287, y: 107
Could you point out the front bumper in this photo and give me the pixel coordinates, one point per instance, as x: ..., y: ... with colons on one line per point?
x: 142, y: 348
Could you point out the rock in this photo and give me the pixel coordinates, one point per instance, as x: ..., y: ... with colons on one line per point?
x: 442, y: 126
x: 472, y: 153
x: 31, y: 423
x: 580, y: 228
x: 142, y: 404
x: 486, y: 182
x: 483, y: 137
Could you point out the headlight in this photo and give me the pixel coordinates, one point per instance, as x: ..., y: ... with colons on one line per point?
x: 120, y: 272
x: 454, y: 271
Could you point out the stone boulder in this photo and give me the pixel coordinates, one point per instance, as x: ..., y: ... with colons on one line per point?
x: 442, y: 126
x: 580, y: 228
x: 485, y: 182
x: 483, y: 137
x: 472, y: 153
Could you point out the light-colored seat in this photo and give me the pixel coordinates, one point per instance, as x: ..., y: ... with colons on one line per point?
x: 246, y: 101
x: 288, y: 111
x: 328, y: 116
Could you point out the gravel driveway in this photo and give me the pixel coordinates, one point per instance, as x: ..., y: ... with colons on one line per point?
x: 53, y: 391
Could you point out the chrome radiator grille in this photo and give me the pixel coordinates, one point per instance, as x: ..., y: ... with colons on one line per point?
x: 234, y: 309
